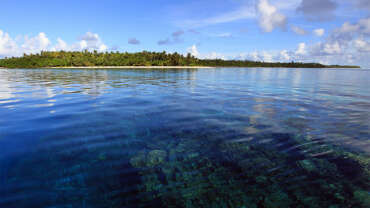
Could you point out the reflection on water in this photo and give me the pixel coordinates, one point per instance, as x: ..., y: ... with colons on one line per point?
x: 185, y: 138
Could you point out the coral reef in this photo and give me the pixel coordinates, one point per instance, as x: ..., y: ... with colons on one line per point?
x: 196, y: 173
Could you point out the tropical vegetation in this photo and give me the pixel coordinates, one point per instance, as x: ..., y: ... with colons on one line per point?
x: 144, y: 58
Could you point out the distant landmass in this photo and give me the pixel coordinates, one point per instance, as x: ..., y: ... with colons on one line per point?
x: 145, y: 58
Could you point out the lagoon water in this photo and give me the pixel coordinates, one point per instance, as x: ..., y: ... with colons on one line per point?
x: 223, y: 137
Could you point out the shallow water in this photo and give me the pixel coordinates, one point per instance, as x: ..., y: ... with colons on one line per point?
x: 225, y: 137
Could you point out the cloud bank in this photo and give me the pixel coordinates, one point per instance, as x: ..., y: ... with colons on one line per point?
x: 40, y: 42
x: 347, y: 44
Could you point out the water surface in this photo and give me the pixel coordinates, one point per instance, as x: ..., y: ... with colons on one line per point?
x: 224, y: 137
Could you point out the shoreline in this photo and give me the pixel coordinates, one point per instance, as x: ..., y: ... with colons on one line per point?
x: 129, y: 67
x: 170, y: 67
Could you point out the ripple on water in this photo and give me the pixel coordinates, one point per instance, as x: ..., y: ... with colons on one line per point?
x: 184, y: 138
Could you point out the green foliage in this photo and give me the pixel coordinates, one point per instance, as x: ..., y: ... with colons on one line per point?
x: 144, y: 58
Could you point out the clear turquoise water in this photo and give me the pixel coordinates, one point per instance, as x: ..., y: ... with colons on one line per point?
x: 220, y: 137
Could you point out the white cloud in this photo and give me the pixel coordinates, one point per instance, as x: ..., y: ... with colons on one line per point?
x: 16, y: 47
x: 269, y: 17
x: 263, y: 56
x: 346, y: 38
x: 365, y: 25
x: 90, y: 41
x: 323, y: 52
x: 60, y: 46
x: 193, y: 50
x: 362, y: 45
x: 319, y: 32
x: 267, y: 57
x: 348, y: 28
x: 8, y: 46
x: 323, y: 49
x: 214, y: 55
x: 347, y: 44
x: 301, y: 50
x: 331, y: 48
x: 256, y: 56
x: 298, y: 30
x: 81, y: 45
x: 348, y: 31
x: 253, y: 56
x: 284, y: 55
x: 35, y: 44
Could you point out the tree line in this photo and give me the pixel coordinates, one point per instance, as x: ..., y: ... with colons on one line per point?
x: 144, y: 58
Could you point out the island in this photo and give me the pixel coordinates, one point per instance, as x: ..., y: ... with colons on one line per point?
x: 145, y: 59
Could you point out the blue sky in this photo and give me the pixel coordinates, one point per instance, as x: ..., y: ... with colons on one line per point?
x: 326, y: 31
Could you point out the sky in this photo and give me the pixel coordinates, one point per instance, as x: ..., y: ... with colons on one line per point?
x: 324, y: 31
